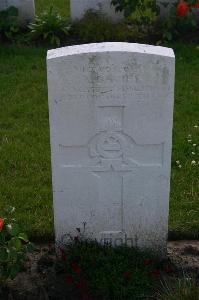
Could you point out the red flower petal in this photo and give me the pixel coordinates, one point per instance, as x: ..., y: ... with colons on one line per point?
x: 84, y: 295
x: 76, y: 268
x: 182, y: 8
x: 79, y: 285
x: 82, y: 285
x: 63, y: 255
x: 156, y: 272
x: 148, y: 262
x: 69, y: 279
x: 127, y: 275
x: 168, y: 269
x: 2, y: 222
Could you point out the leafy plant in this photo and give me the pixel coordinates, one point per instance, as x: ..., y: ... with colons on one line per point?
x: 144, y: 15
x: 14, y: 246
x: 9, y: 26
x: 50, y: 26
x: 127, y: 6
x: 106, y: 272
x: 177, y: 26
x: 96, y: 27
x: 141, y: 15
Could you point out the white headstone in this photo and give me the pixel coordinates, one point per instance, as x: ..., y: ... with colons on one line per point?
x: 26, y: 9
x: 79, y: 7
x: 111, y: 111
x: 165, y: 6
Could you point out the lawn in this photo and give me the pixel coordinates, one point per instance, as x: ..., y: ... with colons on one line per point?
x: 24, y: 146
x: 25, y: 170
x: 184, y: 201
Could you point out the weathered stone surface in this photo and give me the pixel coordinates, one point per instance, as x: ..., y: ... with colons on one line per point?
x: 79, y: 7
x: 111, y: 110
x: 26, y: 9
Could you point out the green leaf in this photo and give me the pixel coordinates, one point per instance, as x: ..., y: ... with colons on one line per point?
x: 57, y: 40
x: 14, y: 270
x: 46, y: 35
x: 14, y: 230
x: 15, y: 243
x: 23, y: 237
x: 13, y: 254
x: 30, y: 247
x: 3, y: 254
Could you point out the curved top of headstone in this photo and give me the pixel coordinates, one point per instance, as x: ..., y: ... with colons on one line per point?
x: 110, y: 47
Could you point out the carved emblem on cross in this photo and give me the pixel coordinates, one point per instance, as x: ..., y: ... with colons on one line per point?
x: 113, y: 155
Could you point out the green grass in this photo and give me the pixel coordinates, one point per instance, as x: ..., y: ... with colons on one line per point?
x: 183, y: 288
x: 24, y: 138
x: 61, y: 5
x: 25, y: 171
x: 184, y: 205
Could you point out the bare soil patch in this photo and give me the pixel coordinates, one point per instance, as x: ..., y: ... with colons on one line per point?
x: 40, y: 279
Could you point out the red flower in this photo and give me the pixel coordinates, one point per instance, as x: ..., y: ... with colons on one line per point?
x: 81, y: 285
x: 2, y: 222
x: 84, y: 295
x: 69, y: 279
x: 127, y: 275
x: 168, y: 269
x: 148, y: 262
x: 182, y: 8
x: 76, y: 268
x: 156, y: 272
x: 63, y: 255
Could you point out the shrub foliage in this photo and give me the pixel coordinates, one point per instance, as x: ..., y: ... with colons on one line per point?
x: 14, y: 246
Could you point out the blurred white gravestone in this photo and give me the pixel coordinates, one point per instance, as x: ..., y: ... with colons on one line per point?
x: 80, y: 7
x: 165, y: 7
x: 111, y: 115
x: 26, y: 9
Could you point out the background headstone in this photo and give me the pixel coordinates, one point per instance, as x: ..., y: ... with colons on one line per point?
x: 111, y: 111
x: 79, y: 7
x: 165, y: 7
x: 26, y: 9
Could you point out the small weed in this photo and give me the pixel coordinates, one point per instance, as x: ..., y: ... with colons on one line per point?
x: 50, y: 26
x: 185, y: 288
